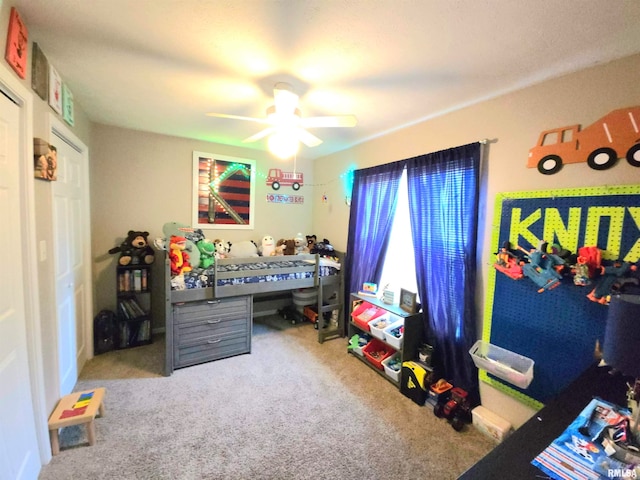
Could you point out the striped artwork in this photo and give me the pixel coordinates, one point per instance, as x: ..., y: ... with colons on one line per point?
x: 224, y: 191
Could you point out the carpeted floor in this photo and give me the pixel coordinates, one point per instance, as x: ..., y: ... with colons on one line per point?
x: 292, y: 409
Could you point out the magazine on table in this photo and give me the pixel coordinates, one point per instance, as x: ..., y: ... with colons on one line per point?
x: 596, y: 446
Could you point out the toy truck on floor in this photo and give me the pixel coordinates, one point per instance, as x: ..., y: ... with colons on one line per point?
x: 277, y: 178
x: 613, y: 136
x: 456, y: 409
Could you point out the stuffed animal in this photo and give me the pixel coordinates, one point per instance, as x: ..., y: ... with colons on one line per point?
x: 178, y: 256
x: 301, y: 245
x: 244, y: 249
x: 324, y: 249
x: 222, y: 248
x: 135, y: 249
x: 207, y: 251
x: 178, y: 229
x: 311, y: 241
x: 280, y: 246
x: 287, y: 247
x: 268, y: 246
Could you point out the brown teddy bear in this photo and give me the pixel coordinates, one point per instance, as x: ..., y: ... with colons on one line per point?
x: 287, y: 247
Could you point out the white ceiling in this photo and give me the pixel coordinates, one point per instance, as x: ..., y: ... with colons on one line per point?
x: 160, y: 65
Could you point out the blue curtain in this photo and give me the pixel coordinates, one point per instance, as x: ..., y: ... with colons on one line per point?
x: 443, y: 201
x: 373, y: 204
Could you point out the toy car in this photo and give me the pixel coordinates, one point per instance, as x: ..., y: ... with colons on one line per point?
x: 291, y: 313
x: 456, y: 409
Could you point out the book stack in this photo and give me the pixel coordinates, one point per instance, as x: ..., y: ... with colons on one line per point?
x: 130, y: 309
x: 134, y: 280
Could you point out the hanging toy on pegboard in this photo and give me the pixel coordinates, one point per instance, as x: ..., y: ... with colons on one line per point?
x: 613, y: 279
x: 509, y: 261
x: 543, y: 268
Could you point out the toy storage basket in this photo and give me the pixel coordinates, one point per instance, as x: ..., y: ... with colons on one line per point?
x: 503, y: 363
x: 376, y: 351
x: 365, y: 313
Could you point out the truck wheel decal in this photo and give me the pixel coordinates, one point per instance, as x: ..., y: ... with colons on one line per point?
x: 275, y: 185
x: 602, y: 158
x: 296, y: 186
x: 550, y: 164
x: 633, y: 155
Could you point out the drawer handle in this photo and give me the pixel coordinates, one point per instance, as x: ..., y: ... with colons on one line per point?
x: 214, y: 341
x: 213, y: 302
x: 211, y: 322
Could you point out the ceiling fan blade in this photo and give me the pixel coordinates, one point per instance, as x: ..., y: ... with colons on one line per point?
x: 309, y: 139
x: 259, y: 135
x: 264, y: 121
x: 329, y: 121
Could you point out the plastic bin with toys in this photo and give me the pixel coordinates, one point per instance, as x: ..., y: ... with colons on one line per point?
x: 376, y: 351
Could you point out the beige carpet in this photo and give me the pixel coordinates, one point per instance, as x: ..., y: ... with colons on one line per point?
x: 292, y: 409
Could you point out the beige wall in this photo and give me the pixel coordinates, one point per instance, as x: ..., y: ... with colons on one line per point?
x: 512, y: 122
x: 140, y: 181
x: 44, y: 227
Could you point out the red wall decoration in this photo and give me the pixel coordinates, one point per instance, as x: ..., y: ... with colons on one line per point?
x: 17, y: 44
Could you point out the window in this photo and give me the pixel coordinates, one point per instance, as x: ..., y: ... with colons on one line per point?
x: 399, y: 270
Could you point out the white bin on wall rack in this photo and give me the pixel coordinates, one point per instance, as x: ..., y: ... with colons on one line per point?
x: 502, y: 363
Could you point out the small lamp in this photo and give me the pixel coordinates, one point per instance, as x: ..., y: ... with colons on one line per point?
x: 621, y: 348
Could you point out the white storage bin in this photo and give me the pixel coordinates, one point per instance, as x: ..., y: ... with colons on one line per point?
x: 503, y: 363
x: 377, y: 326
x: 395, y: 342
x: 393, y: 374
x: 490, y: 424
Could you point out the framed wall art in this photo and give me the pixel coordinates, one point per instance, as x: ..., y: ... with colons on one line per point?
x: 17, y: 44
x: 39, y: 72
x: 55, y: 90
x: 45, y: 160
x: 408, y: 301
x: 223, y: 191
x: 67, y: 104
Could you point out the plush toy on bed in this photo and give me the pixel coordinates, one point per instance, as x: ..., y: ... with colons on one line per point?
x: 301, y: 244
x: 324, y: 249
x: 222, y: 248
x: 178, y: 256
x: 207, y: 252
x: 178, y: 229
x: 311, y: 241
x: 287, y: 247
x: 135, y: 249
x: 268, y: 246
x: 244, y: 249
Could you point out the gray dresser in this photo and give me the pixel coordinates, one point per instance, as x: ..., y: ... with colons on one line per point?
x: 208, y: 330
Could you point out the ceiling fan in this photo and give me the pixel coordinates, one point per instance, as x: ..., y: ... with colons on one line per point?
x: 285, y: 121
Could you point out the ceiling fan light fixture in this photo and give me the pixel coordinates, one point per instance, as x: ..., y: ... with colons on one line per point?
x: 283, y: 143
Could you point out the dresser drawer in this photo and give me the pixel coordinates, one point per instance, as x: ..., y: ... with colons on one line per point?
x: 214, y: 347
x: 187, y: 332
x: 213, y: 310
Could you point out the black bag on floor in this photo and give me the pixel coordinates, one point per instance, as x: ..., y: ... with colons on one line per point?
x: 104, y: 332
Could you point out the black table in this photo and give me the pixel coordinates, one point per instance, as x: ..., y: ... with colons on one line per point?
x: 512, y: 458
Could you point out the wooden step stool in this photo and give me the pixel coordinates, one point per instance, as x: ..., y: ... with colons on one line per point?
x: 74, y: 409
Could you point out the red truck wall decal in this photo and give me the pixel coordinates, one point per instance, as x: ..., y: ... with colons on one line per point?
x: 278, y: 178
x: 616, y: 135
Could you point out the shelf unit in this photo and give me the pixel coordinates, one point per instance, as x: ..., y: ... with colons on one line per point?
x: 133, y: 287
x: 413, y: 332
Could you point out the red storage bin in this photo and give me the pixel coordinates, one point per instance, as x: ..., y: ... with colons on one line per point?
x: 364, y: 313
x: 376, y: 351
